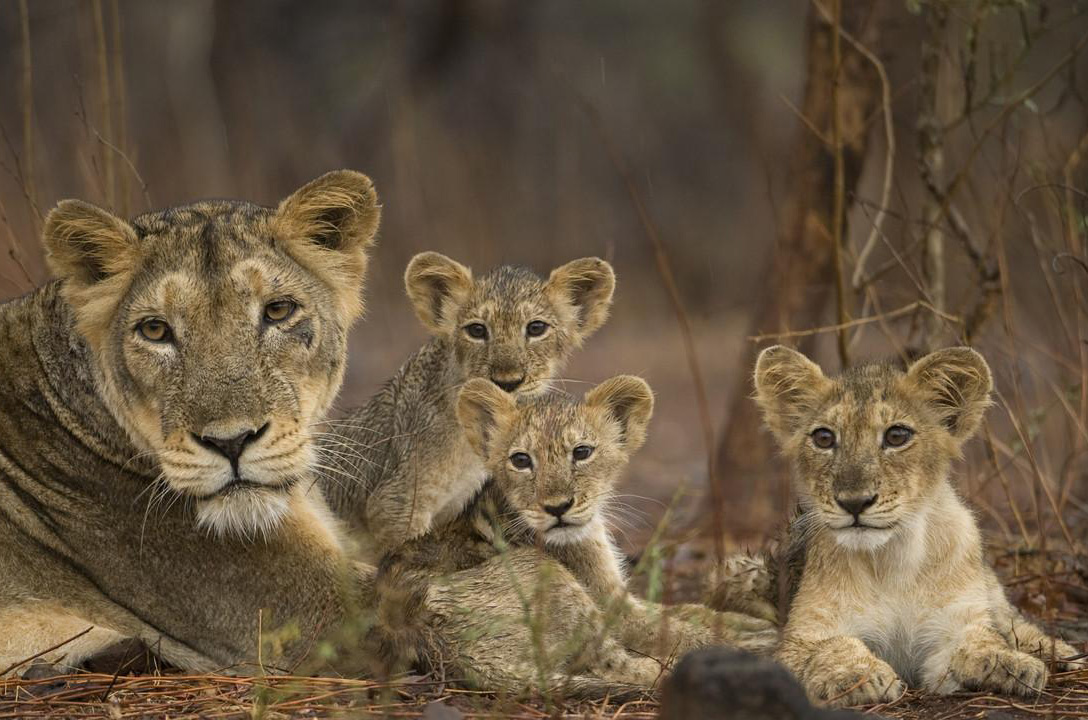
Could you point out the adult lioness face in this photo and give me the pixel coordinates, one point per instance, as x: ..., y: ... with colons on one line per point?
x: 218, y: 332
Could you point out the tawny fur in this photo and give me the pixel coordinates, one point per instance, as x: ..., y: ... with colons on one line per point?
x: 401, y: 463
x: 899, y: 594
x: 508, y: 518
x: 114, y: 513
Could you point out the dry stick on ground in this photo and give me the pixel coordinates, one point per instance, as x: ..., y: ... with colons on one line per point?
x: 37, y: 655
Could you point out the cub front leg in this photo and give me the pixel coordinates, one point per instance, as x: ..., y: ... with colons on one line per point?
x: 985, y: 661
x: 840, y: 671
x: 1029, y: 638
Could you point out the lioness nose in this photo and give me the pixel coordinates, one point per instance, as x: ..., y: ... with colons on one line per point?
x: 558, y: 510
x: 508, y: 384
x: 231, y: 447
x: 855, y: 504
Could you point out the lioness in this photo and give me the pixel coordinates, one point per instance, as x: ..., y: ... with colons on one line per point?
x: 184, y: 355
x: 893, y: 589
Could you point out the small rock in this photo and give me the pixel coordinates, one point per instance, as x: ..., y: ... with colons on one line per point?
x: 441, y: 711
x: 725, y: 684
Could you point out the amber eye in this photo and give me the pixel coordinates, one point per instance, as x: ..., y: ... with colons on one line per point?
x: 582, y: 452
x: 279, y: 310
x: 897, y: 436
x: 823, y: 438
x: 521, y: 461
x: 155, y: 330
x: 476, y: 331
x: 536, y: 328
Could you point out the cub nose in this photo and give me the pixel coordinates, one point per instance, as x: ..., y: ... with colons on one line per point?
x: 558, y: 510
x: 508, y: 384
x: 231, y: 447
x: 855, y: 504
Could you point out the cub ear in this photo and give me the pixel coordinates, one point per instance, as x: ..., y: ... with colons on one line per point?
x: 483, y: 410
x: 437, y: 286
x: 630, y: 401
x: 957, y: 382
x: 787, y: 385
x: 86, y: 244
x: 329, y: 224
x: 584, y: 287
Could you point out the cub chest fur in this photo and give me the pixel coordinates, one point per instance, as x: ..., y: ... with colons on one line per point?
x: 907, y: 602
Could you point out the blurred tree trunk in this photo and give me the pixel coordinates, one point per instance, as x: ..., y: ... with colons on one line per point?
x: 800, y: 272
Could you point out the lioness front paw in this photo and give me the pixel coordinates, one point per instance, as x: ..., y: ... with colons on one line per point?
x: 1001, y: 670
x: 867, y: 680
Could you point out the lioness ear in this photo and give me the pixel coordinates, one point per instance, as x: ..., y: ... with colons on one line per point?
x: 787, y: 385
x: 957, y: 382
x: 630, y: 401
x: 437, y: 286
x: 86, y: 244
x: 329, y: 224
x: 482, y: 410
x: 585, y: 287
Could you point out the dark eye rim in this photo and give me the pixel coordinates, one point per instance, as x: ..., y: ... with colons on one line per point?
x: 292, y: 308
x: 539, y: 323
x: 168, y: 332
x: 907, y: 431
x: 589, y: 452
x: 469, y: 330
x: 818, y: 432
x: 521, y: 457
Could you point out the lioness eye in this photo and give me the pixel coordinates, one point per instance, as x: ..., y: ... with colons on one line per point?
x: 155, y: 330
x: 279, y: 310
x: 521, y: 461
x: 582, y: 452
x: 476, y: 331
x: 536, y: 328
x: 823, y: 438
x: 897, y: 436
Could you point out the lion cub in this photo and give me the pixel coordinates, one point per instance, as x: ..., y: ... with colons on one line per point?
x: 554, y: 462
x: 894, y: 589
x: 401, y: 463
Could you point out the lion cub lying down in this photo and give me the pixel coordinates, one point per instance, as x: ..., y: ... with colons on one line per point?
x: 894, y: 588
x: 554, y: 462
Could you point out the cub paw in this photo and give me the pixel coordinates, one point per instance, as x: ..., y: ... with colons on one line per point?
x: 1000, y: 670
x: 864, y: 681
x: 750, y: 633
x: 1059, y: 650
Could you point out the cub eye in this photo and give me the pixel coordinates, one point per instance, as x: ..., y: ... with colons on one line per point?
x: 476, y: 331
x: 536, y: 328
x: 897, y: 436
x: 521, y: 461
x: 155, y: 330
x: 582, y: 452
x: 279, y: 310
x: 823, y: 438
